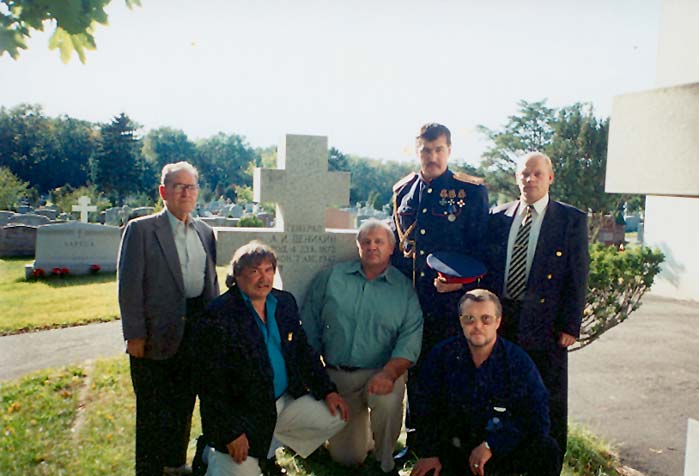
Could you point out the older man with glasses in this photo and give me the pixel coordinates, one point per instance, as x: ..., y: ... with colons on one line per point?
x: 482, y: 404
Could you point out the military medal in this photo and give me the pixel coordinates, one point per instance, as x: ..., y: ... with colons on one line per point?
x: 451, y: 217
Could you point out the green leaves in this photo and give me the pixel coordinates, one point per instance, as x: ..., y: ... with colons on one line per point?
x: 617, y: 282
x: 75, y: 22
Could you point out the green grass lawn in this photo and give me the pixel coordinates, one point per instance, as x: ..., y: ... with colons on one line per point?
x: 54, y: 301
x: 79, y: 421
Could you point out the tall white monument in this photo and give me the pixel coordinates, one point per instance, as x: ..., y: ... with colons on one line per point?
x: 654, y: 149
x: 302, y: 189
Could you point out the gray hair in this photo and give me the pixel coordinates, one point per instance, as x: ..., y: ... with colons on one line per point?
x: 251, y: 254
x: 373, y: 224
x: 171, y: 169
x: 480, y: 295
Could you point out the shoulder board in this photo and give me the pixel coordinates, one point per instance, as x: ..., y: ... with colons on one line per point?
x: 401, y: 183
x: 462, y: 177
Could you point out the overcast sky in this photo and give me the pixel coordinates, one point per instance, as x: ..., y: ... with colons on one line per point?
x: 367, y: 73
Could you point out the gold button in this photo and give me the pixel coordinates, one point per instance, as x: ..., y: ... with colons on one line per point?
x: 549, y: 276
x: 429, y: 190
x: 422, y: 252
x: 424, y: 210
x: 559, y: 253
x: 542, y: 300
x: 422, y: 231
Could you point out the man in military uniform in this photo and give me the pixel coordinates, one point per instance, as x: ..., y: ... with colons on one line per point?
x: 436, y: 210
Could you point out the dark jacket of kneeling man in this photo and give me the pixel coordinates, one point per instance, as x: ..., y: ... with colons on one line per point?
x: 234, y: 376
x: 502, y: 402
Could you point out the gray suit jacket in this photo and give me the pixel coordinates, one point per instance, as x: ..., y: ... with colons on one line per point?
x: 151, y: 288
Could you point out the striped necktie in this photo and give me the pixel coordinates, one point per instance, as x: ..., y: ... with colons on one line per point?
x: 517, y: 276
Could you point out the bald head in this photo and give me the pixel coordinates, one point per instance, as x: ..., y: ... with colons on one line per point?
x: 534, y: 175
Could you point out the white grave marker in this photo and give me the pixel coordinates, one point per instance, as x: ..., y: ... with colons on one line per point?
x: 302, y: 188
x: 83, y: 207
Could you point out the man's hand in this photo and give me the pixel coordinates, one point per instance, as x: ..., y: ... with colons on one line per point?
x: 444, y: 287
x: 425, y: 465
x: 136, y: 347
x: 337, y: 404
x: 380, y: 384
x: 238, y: 448
x: 566, y: 340
x: 479, y: 456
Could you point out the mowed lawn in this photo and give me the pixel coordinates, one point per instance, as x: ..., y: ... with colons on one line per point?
x: 53, y: 301
x: 79, y: 421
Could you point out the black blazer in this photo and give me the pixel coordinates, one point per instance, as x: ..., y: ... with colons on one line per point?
x: 233, y: 375
x: 557, y: 284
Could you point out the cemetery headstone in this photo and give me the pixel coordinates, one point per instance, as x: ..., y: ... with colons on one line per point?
x: 141, y: 212
x: 691, y: 455
x: 49, y: 213
x: 5, y: 217
x: 28, y: 219
x: 17, y: 240
x: 24, y: 209
x: 112, y: 216
x: 302, y: 188
x: 76, y: 246
x: 84, y: 207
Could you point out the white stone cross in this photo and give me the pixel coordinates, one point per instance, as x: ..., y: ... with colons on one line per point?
x: 83, y: 207
x: 302, y: 189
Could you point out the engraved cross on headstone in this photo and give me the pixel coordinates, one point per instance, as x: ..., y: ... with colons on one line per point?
x: 302, y: 189
x: 83, y: 207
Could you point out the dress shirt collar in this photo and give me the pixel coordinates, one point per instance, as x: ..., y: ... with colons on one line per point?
x: 175, y: 222
x: 355, y: 267
x: 539, y: 206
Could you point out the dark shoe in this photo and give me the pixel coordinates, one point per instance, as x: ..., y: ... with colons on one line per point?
x: 198, y: 465
x: 270, y: 467
x: 183, y: 470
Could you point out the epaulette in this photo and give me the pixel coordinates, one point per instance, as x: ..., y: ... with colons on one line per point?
x: 462, y: 177
x: 399, y: 184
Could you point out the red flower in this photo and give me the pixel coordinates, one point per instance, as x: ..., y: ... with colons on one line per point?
x: 64, y: 271
x: 38, y: 273
x: 95, y: 268
x: 56, y: 271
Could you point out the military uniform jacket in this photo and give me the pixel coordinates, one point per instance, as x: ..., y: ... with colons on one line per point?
x: 450, y: 213
x: 234, y: 377
x: 554, y: 300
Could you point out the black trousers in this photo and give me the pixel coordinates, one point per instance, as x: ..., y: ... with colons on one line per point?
x: 553, y: 367
x: 536, y: 457
x: 164, y: 405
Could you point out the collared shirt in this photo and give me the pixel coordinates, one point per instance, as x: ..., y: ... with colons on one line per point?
x: 356, y: 322
x: 191, y: 253
x: 273, y: 342
x: 539, y: 209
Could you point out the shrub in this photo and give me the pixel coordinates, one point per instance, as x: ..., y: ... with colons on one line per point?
x: 618, y: 280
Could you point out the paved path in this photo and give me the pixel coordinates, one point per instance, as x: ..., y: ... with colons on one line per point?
x: 23, y: 353
x: 638, y: 384
x: 635, y: 387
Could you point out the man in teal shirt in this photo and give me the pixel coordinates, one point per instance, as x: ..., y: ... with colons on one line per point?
x: 364, y: 318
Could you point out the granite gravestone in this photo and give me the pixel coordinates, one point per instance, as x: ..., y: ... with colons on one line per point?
x: 302, y: 188
x: 76, y: 246
x: 691, y: 455
x: 28, y: 219
x: 17, y: 240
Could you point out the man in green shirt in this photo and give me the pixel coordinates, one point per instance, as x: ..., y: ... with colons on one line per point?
x: 364, y: 318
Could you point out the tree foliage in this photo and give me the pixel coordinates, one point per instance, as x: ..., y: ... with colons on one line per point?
x: 12, y: 189
x: 617, y: 282
x: 117, y: 168
x: 65, y: 197
x: 224, y: 161
x: 75, y: 23
x: 166, y: 145
x: 576, y: 141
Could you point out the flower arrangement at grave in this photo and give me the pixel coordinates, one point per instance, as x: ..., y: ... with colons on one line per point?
x: 95, y: 268
x: 38, y: 273
x: 60, y: 271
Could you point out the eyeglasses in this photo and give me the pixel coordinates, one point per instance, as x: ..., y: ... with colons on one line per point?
x: 181, y: 187
x: 486, y: 319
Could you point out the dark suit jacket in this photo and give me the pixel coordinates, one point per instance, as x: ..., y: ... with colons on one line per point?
x: 151, y: 288
x: 557, y: 284
x: 234, y: 377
